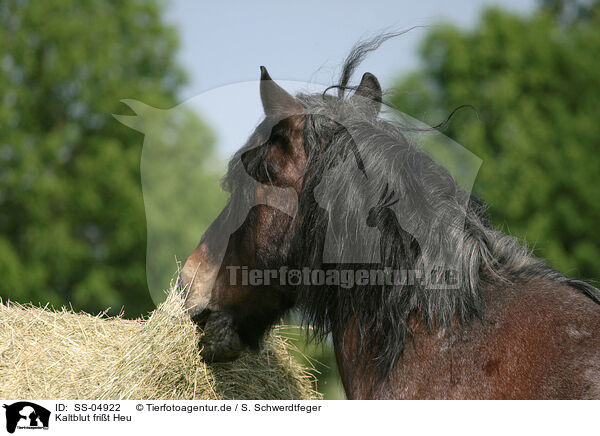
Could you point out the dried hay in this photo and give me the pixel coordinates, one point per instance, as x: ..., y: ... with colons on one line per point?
x: 46, y: 354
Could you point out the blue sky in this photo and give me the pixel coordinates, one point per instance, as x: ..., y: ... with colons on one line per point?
x: 302, y: 41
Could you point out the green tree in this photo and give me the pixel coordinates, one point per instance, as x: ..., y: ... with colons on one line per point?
x: 72, y: 225
x: 535, y: 84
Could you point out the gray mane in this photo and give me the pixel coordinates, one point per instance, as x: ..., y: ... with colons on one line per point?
x: 348, y: 145
x: 452, y: 226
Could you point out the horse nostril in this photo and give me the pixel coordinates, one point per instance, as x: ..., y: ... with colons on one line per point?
x: 200, y: 318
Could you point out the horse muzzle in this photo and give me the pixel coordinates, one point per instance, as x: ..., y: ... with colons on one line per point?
x: 220, y: 341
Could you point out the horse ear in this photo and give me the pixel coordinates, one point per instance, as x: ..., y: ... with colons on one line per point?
x: 275, y: 100
x: 370, y: 89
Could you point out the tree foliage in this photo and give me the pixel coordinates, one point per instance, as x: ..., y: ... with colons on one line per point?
x: 72, y: 225
x: 535, y: 84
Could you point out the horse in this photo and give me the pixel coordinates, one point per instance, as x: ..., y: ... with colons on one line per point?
x: 507, y: 326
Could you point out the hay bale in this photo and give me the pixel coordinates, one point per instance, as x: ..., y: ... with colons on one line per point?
x: 46, y: 354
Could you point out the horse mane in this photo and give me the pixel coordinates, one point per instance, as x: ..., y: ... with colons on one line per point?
x: 342, y: 133
x: 423, y: 187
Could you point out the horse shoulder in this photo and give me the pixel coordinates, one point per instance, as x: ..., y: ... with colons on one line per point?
x: 537, y: 339
x: 542, y: 341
